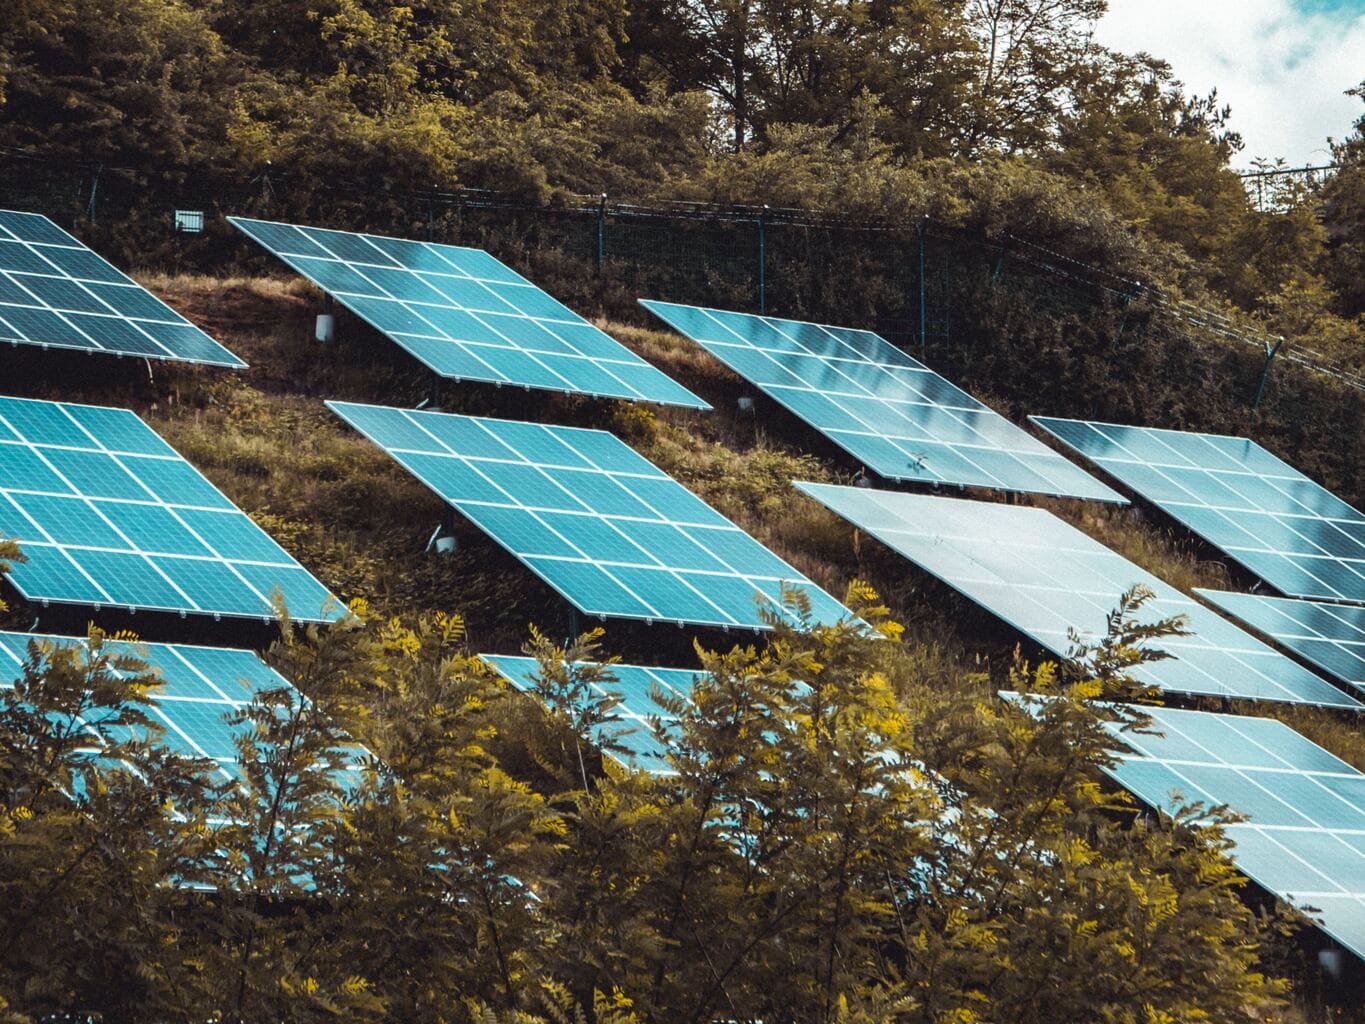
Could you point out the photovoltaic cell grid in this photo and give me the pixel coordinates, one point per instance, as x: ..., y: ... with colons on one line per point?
x: 109, y: 514
x: 202, y: 685
x: 1304, y: 839
x: 600, y: 524
x: 1294, y: 534
x: 889, y: 411
x: 465, y: 314
x: 1043, y: 577
x: 56, y: 292
x: 1329, y: 636
x: 633, y: 686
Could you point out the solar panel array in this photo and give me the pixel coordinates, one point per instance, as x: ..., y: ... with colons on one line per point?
x: 1044, y: 576
x: 1329, y: 636
x: 633, y: 686
x: 56, y: 293
x: 466, y: 315
x: 889, y: 411
x: 1293, y: 533
x: 603, y: 526
x: 202, y: 686
x: 1304, y: 839
x: 109, y: 514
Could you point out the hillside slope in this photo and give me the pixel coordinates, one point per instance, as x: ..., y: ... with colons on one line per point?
x: 361, y: 523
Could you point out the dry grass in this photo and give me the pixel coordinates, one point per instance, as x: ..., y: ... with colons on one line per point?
x: 1163, y: 553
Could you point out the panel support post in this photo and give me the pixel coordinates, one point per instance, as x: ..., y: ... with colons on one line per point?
x: 94, y: 191
x: 1270, y: 351
x: 763, y: 260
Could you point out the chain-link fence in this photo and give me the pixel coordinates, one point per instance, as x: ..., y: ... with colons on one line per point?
x: 906, y: 280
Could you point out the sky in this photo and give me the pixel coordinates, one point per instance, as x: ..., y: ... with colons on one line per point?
x: 1283, y: 65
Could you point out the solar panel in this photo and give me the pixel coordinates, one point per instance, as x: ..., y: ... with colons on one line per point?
x: 1304, y: 839
x: 1044, y: 576
x: 465, y: 314
x: 890, y: 412
x: 202, y: 685
x: 1294, y: 534
x: 1329, y: 636
x: 603, y: 526
x: 633, y: 687
x: 57, y: 293
x: 109, y: 514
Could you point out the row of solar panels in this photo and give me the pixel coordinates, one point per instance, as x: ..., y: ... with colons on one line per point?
x: 109, y: 515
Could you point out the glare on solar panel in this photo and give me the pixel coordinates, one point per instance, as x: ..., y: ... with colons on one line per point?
x: 1304, y: 839
x: 892, y: 413
x: 108, y: 514
x: 1291, y: 532
x: 632, y: 733
x: 466, y: 315
x: 56, y: 293
x: 603, y: 526
x: 1329, y: 636
x: 1044, y: 577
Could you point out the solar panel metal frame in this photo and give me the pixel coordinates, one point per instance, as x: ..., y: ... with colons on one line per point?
x: 55, y: 292
x: 194, y: 698
x: 460, y: 310
x: 110, y: 515
x: 1305, y: 806
x: 588, y: 547
x: 1331, y: 637
x: 635, y: 709
x: 1229, y: 490
x: 889, y: 411
x: 1074, y: 582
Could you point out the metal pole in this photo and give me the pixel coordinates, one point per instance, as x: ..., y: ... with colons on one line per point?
x: 1270, y: 351
x: 923, y: 313
x: 601, y: 233
x: 763, y: 260
x: 94, y: 190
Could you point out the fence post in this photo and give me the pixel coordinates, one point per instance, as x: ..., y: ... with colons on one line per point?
x: 601, y: 233
x: 923, y: 313
x: 763, y: 260
x: 1270, y: 351
x: 94, y: 190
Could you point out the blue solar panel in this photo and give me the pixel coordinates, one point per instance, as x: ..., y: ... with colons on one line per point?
x: 1294, y: 534
x: 599, y: 523
x: 56, y: 293
x: 466, y: 315
x: 1044, y: 577
x: 108, y: 514
x: 1329, y: 636
x: 892, y: 413
x: 202, y: 685
x: 1304, y: 839
x: 633, y: 686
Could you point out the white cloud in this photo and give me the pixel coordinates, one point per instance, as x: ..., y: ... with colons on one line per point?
x: 1283, y: 68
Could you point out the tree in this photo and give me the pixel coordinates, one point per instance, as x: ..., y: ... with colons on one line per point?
x: 97, y: 822
x: 1343, y: 208
x: 1032, y: 57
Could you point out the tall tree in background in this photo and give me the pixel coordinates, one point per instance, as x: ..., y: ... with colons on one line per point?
x: 1032, y: 56
x: 1343, y: 207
